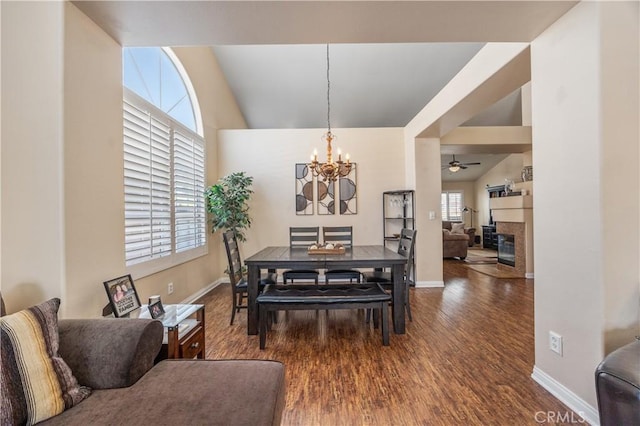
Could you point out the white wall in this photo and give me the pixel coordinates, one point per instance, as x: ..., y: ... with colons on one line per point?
x: 62, y: 194
x: 93, y: 165
x: 428, y: 249
x: 620, y: 88
x: 576, y: 122
x: 509, y: 168
x: 270, y: 155
x: 32, y: 153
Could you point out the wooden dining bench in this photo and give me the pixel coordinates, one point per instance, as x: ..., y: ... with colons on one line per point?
x: 311, y: 297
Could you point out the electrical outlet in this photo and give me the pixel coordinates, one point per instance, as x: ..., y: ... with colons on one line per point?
x: 555, y: 342
x: 169, y: 288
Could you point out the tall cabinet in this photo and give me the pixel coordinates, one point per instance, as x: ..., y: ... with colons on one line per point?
x: 398, y: 211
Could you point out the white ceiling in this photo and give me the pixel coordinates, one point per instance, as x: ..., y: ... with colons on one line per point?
x: 372, y: 85
x: 388, y: 58
x: 188, y: 23
x: 471, y: 173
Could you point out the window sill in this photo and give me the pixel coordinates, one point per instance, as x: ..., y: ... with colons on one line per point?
x: 144, y: 269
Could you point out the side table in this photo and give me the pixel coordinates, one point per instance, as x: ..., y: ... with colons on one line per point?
x: 184, y: 331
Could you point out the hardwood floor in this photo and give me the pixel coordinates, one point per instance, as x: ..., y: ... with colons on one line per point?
x: 465, y: 359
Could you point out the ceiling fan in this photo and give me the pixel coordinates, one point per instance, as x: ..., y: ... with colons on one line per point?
x: 456, y: 165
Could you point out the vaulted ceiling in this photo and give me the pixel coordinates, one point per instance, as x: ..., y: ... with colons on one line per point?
x: 387, y: 58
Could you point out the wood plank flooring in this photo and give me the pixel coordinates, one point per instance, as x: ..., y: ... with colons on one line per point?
x: 466, y: 359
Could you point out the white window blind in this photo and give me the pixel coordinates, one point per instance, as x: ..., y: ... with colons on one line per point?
x: 188, y: 189
x: 147, y: 186
x: 164, y: 163
x: 164, y: 178
x: 451, y: 204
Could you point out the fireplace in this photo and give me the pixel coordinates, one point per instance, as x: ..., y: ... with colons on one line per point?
x: 507, y: 249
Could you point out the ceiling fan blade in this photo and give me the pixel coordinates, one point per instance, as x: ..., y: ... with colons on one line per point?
x: 471, y: 164
x: 462, y: 166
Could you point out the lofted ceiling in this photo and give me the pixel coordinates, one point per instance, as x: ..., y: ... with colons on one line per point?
x: 387, y: 58
x: 372, y: 85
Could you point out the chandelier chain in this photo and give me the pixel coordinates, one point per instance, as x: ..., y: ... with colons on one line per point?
x: 328, y: 91
x: 330, y: 170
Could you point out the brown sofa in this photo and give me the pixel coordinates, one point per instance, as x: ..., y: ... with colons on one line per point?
x: 115, y: 357
x: 471, y: 232
x: 454, y: 245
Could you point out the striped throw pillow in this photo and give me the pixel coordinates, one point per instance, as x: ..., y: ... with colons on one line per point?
x: 35, y: 382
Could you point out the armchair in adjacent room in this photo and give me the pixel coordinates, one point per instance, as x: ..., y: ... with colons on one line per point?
x: 471, y: 232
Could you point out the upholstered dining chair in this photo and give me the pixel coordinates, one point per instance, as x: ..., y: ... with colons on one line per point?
x: 406, y: 247
x: 342, y: 235
x: 239, y: 285
x: 302, y: 237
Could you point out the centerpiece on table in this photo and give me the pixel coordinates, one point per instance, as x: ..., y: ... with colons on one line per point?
x: 327, y: 248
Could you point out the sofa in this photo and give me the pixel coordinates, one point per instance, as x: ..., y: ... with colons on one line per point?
x: 115, y: 359
x: 454, y: 245
x: 471, y: 232
x: 456, y: 239
x: 618, y: 386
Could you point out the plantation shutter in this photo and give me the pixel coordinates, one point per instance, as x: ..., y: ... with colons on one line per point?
x: 451, y: 203
x: 444, y: 206
x: 147, y: 184
x: 188, y: 187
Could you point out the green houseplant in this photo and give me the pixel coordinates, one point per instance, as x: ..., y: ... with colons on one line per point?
x: 227, y: 201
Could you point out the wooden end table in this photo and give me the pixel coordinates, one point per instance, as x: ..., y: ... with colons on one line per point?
x: 184, y: 331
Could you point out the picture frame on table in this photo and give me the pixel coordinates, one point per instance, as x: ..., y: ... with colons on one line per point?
x: 122, y: 295
x: 156, y: 310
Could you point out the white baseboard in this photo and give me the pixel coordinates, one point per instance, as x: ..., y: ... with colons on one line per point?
x: 205, y: 290
x: 429, y: 284
x: 584, y: 411
x: 528, y: 275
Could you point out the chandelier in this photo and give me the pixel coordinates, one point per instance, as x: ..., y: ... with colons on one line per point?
x: 331, y: 170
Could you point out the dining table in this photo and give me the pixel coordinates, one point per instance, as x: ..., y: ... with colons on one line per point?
x: 366, y: 256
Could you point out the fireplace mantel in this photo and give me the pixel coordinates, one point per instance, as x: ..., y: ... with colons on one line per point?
x: 513, y: 202
x: 518, y: 211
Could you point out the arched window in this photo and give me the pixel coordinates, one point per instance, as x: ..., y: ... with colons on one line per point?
x: 156, y: 75
x: 164, y: 174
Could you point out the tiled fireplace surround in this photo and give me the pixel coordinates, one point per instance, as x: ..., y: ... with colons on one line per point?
x: 517, y: 229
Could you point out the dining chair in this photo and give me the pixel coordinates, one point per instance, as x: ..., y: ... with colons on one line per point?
x: 301, y: 237
x: 239, y: 285
x: 406, y: 246
x: 342, y: 235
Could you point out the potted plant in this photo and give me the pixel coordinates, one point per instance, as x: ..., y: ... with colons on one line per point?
x: 227, y: 202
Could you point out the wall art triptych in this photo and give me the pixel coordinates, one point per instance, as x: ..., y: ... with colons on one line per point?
x: 304, y: 190
x: 325, y: 193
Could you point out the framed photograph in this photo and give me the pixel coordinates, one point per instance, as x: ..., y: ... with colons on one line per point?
x: 123, y: 296
x: 156, y: 310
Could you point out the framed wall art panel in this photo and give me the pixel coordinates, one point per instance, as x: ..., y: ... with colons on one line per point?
x: 304, y: 190
x: 348, y: 192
